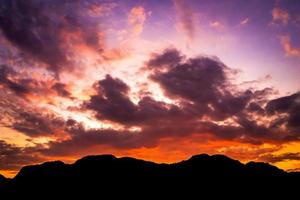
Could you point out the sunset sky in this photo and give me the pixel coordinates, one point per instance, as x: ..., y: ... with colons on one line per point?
x: 156, y: 80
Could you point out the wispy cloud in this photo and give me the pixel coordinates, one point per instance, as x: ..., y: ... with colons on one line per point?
x: 217, y: 25
x: 186, y: 18
x: 245, y: 21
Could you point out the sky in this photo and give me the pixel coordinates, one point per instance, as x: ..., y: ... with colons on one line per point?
x: 155, y: 80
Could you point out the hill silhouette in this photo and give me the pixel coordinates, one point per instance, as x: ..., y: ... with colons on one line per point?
x: 99, y: 174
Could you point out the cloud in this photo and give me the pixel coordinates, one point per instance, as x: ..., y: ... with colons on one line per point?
x: 288, y: 48
x: 207, y: 104
x: 113, y: 103
x: 101, y: 8
x: 37, y: 124
x: 20, y: 110
x: 39, y: 29
x: 257, y: 81
x: 169, y: 57
x: 256, y: 108
x: 217, y: 25
x: 249, y: 152
x: 83, y: 139
x: 61, y: 90
x: 13, y: 157
x: 204, y: 103
x: 289, y: 105
x: 202, y: 81
x: 136, y: 19
x: 283, y: 104
x: 186, y: 18
x: 5, y: 80
x: 280, y: 15
x: 245, y: 21
x: 280, y: 158
x: 25, y: 86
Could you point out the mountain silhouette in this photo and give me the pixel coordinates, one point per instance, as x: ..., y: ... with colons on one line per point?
x: 99, y: 174
x: 3, y: 180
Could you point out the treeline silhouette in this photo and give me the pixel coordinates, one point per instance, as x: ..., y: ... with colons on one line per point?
x: 101, y: 174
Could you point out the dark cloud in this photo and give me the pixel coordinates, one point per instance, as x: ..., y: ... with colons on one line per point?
x: 20, y: 114
x: 35, y: 124
x: 202, y: 90
x: 149, y: 135
x: 83, y: 139
x: 255, y: 107
x: 21, y: 86
x: 252, y: 128
x: 13, y: 157
x: 280, y: 158
x: 168, y: 58
x: 199, y: 83
x: 5, y: 74
x: 61, y: 90
x: 196, y: 79
x: 37, y: 27
x: 283, y: 104
x: 202, y: 81
x: 289, y: 105
x: 113, y: 103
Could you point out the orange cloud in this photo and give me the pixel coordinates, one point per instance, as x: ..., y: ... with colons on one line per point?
x: 288, y: 48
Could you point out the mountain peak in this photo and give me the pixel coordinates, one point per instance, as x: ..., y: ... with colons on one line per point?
x: 199, y: 157
x: 96, y: 158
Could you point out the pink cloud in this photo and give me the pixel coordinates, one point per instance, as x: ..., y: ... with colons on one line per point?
x: 186, y: 18
x: 280, y: 15
x: 245, y: 21
x: 288, y: 48
x: 136, y: 19
x: 217, y: 25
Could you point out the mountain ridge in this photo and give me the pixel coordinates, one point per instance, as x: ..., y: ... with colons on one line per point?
x: 107, y: 171
x: 106, y: 157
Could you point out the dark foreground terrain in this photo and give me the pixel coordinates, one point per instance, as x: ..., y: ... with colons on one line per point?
x: 108, y: 175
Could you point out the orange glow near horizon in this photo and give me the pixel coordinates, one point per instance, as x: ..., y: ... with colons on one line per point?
x: 172, y: 150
